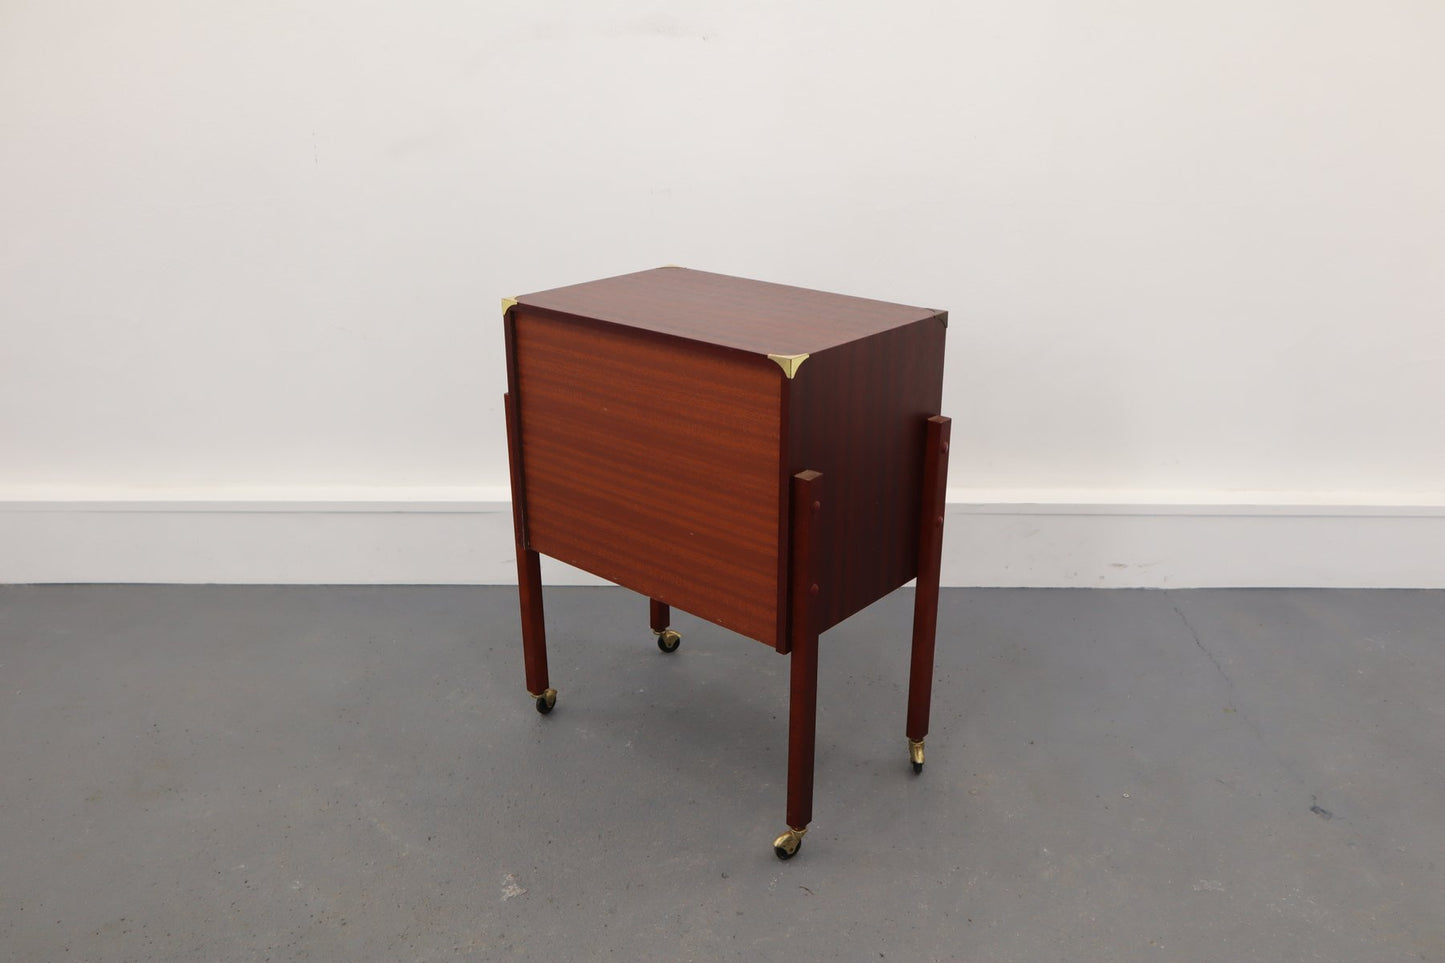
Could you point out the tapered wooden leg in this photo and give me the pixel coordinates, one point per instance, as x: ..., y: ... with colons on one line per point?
x: 529, y: 579
x: 803, y: 668
x: 925, y: 597
x: 660, y: 616
x: 534, y: 630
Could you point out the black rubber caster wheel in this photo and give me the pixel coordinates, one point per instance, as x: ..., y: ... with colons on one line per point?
x: 546, y: 701
x: 918, y: 767
x: 668, y: 640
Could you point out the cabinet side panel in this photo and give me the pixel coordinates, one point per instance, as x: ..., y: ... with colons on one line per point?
x: 654, y: 463
x: 857, y: 414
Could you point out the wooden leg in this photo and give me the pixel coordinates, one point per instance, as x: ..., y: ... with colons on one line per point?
x: 660, y: 615
x: 803, y: 667
x: 534, y: 630
x: 529, y: 580
x: 925, y: 598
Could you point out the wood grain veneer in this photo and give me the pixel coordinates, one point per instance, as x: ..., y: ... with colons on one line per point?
x: 765, y: 457
x: 654, y: 465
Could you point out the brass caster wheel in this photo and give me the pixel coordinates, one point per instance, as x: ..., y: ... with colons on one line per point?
x: 787, y: 845
x: 545, y: 701
x: 668, y: 640
x: 915, y: 752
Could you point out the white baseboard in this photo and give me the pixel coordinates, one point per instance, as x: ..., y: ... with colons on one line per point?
x: 464, y: 536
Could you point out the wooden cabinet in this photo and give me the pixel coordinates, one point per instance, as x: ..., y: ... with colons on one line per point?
x: 765, y: 457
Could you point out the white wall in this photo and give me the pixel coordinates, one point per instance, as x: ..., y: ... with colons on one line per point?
x: 251, y: 255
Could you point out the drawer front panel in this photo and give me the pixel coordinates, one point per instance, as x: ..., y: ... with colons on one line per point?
x: 654, y: 463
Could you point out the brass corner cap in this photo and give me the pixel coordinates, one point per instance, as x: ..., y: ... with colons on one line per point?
x: 942, y: 316
x: 790, y: 363
x: 508, y: 304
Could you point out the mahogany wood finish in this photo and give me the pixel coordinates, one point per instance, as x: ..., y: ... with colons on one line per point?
x: 854, y: 415
x: 930, y: 554
x: 653, y: 464
x: 803, y: 665
x: 655, y: 442
x: 529, y: 567
x: 659, y: 615
x: 756, y: 317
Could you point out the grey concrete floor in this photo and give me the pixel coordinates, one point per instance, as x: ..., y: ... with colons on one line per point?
x: 252, y: 773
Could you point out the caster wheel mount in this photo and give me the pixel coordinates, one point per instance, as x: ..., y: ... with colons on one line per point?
x: 668, y: 640
x: 787, y: 845
x: 915, y: 753
x: 545, y: 701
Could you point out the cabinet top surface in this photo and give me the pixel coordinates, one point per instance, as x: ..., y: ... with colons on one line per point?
x: 755, y: 316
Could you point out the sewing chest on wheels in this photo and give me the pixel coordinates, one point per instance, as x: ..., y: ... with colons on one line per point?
x: 768, y: 458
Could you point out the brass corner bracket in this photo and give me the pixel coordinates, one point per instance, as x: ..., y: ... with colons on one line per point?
x: 790, y: 363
